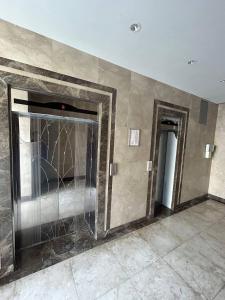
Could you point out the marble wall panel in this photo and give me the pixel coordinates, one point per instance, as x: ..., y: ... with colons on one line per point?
x: 129, y: 193
x: 25, y: 46
x: 70, y: 61
x: 196, y: 167
x: 120, y: 79
x: 217, y: 178
x: 6, y: 236
x: 124, y: 153
x: 170, y: 94
x: 140, y: 107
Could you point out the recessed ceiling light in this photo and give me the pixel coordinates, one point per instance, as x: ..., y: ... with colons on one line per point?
x: 135, y: 27
x: 222, y: 80
x: 192, y: 61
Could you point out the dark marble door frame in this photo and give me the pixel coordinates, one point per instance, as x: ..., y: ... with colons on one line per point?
x: 25, y: 77
x: 162, y: 108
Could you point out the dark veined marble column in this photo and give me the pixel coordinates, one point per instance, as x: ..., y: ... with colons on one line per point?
x: 6, y: 232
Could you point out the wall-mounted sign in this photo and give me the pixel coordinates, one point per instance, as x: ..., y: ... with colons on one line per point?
x: 134, y: 137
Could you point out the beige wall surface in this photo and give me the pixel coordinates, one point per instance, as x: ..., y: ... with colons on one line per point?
x: 217, y: 179
x: 134, y: 109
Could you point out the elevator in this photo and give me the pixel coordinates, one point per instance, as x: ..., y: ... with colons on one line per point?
x: 167, y: 153
x: 54, y: 161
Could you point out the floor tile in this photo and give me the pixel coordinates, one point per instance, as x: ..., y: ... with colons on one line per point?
x: 215, y: 245
x: 217, y: 230
x: 7, y: 292
x: 181, y: 228
x: 132, y: 252
x: 200, y: 265
x: 160, y: 239
x: 159, y: 281
x: 207, y: 212
x: 96, y: 272
x: 195, y: 219
x: 211, y: 204
x: 125, y: 291
x: 55, y: 282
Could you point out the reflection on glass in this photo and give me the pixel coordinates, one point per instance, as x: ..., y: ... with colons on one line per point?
x: 57, y: 161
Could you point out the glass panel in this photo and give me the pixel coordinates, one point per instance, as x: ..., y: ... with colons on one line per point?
x: 29, y: 208
x: 48, y: 182
x: 57, y: 169
x: 91, y: 167
x: 67, y: 194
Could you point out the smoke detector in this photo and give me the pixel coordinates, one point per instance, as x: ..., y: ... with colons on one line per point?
x: 192, y: 61
x: 135, y: 27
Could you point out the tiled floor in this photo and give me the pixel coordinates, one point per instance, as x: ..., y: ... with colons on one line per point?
x: 180, y: 257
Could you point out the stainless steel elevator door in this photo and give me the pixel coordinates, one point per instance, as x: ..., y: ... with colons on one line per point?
x: 54, y: 171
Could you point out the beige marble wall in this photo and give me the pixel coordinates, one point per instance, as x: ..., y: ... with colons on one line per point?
x: 196, y: 167
x: 217, y: 178
x: 134, y: 109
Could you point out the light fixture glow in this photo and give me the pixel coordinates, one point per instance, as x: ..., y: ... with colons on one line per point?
x: 222, y: 81
x: 135, y: 27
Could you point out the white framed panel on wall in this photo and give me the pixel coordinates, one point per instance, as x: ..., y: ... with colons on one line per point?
x: 134, y: 137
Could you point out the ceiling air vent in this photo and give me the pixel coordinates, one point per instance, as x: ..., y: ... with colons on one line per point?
x: 203, y: 114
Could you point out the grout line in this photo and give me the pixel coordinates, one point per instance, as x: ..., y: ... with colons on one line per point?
x: 74, y: 282
x: 122, y: 267
x: 195, y: 235
x: 130, y: 276
x: 219, y: 291
x: 180, y: 276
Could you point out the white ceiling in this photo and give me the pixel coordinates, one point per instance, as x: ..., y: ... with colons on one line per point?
x: 172, y: 33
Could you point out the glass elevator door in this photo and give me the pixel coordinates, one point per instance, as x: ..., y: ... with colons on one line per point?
x: 54, y: 171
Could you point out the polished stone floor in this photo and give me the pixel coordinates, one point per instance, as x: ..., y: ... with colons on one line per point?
x: 179, y: 257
